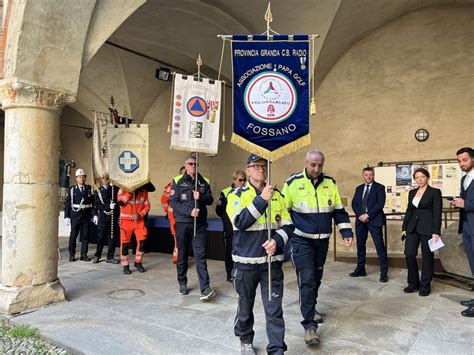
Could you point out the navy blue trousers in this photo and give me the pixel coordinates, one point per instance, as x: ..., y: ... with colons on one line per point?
x: 184, y: 237
x: 308, y: 257
x: 362, y: 231
x: 245, y: 284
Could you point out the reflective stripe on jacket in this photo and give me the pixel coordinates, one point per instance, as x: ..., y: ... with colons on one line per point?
x: 248, y: 213
x: 313, y: 207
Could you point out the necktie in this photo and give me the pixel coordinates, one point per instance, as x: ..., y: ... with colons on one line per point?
x: 365, y: 198
x: 82, y: 190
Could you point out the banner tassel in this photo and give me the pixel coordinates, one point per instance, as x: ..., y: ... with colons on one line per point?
x: 312, y: 108
x: 212, y: 115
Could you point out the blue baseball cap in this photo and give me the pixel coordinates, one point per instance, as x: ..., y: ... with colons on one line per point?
x: 253, y: 158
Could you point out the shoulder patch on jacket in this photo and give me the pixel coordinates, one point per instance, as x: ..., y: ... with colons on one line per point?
x: 294, y: 177
x: 329, y: 177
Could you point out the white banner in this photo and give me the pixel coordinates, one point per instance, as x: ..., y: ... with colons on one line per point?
x: 128, y: 156
x: 99, y: 145
x: 196, y: 114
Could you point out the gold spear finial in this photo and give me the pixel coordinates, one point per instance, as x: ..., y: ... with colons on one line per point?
x: 268, y: 18
x: 199, y: 63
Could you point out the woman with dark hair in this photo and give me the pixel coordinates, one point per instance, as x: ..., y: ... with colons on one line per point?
x: 421, y: 223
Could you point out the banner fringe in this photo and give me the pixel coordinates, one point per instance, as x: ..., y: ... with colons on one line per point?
x: 130, y: 189
x: 267, y: 154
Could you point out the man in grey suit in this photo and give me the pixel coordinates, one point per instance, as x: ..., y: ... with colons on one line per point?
x: 465, y: 158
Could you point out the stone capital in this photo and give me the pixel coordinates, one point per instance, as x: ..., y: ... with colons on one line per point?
x: 17, y: 94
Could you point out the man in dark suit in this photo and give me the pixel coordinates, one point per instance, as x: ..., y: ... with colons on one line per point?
x: 368, y: 203
x: 465, y: 158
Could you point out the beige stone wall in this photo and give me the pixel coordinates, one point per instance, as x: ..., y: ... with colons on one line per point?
x: 73, y: 143
x: 416, y: 72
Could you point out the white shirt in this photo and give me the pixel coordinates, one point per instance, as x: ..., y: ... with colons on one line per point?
x: 468, y: 179
x: 367, y: 187
x: 416, y: 201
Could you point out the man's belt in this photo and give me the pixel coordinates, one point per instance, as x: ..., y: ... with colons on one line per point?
x: 82, y: 207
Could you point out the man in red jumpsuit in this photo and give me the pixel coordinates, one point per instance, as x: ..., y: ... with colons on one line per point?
x: 133, y: 208
x: 165, y: 201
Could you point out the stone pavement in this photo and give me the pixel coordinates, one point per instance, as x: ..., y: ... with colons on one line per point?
x: 111, y: 313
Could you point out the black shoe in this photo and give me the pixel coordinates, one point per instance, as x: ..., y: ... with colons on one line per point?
x: 230, y: 278
x: 139, y: 267
x: 126, y: 270
x: 469, y: 303
x: 95, y: 260
x: 71, y: 258
x: 383, y: 278
x: 358, y: 273
x: 208, y: 294
x: 468, y: 312
x: 112, y: 261
x: 183, y: 290
x: 318, y: 317
x: 410, y: 289
x: 424, y: 293
x: 85, y: 258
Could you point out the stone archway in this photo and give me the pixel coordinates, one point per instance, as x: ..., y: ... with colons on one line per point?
x: 47, y: 44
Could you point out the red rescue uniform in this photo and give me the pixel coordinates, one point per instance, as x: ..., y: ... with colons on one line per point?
x: 133, y: 208
x: 165, y: 200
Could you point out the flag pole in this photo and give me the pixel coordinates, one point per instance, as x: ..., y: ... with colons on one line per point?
x: 268, y: 19
x: 198, y: 63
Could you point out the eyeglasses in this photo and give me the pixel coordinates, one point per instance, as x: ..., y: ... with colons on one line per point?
x: 192, y: 164
x: 258, y: 167
x: 242, y: 180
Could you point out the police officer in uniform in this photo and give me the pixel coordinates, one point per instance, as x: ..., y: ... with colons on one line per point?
x: 247, y: 208
x: 106, y: 208
x: 239, y: 179
x: 78, y: 208
x: 314, y: 201
x: 182, y: 200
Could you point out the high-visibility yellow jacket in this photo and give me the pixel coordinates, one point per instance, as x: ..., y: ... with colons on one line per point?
x: 313, y: 206
x: 248, y: 212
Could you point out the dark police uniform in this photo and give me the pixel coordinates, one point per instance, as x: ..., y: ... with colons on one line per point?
x: 78, y: 207
x: 103, y: 198
x: 228, y: 229
x: 182, y: 201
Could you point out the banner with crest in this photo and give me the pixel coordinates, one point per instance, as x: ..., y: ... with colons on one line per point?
x: 127, y: 148
x: 271, y: 84
x: 195, y: 114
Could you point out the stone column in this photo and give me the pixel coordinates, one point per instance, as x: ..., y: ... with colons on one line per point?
x: 30, y: 196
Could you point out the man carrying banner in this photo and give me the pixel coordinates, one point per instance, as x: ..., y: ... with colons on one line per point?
x: 182, y: 200
x: 247, y: 208
x: 78, y: 208
x: 314, y: 201
x: 134, y: 206
x: 165, y: 202
x: 108, y: 212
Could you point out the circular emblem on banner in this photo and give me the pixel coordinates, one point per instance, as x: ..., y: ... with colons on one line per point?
x: 270, y: 97
x: 196, y: 106
x: 128, y: 161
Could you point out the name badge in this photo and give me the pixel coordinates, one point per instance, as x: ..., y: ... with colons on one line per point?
x: 183, y: 196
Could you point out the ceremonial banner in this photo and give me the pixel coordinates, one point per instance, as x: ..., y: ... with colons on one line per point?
x: 195, y: 114
x: 271, y: 94
x: 99, y: 145
x: 127, y: 149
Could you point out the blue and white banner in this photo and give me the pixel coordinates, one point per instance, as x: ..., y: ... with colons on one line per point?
x: 271, y: 94
x: 127, y: 149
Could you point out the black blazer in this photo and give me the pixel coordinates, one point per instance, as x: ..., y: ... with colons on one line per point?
x: 426, y: 219
x: 467, y: 213
x: 375, y: 204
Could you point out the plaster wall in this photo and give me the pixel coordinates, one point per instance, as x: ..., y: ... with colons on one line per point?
x: 415, y: 72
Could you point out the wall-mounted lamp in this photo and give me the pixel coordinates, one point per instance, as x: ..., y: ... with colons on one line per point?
x: 163, y: 74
